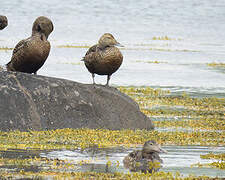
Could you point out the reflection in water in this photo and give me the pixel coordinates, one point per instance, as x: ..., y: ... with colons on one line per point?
x: 20, y: 154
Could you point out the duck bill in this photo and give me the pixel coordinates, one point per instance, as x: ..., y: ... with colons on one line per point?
x: 119, y: 45
x: 163, y: 150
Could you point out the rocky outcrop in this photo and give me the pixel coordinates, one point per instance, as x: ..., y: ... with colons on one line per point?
x: 33, y: 102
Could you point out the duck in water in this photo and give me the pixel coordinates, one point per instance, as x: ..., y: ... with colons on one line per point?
x: 103, y: 58
x: 145, y: 160
x: 3, y: 22
x: 30, y: 54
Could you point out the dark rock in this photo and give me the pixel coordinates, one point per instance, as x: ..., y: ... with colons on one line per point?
x: 40, y: 103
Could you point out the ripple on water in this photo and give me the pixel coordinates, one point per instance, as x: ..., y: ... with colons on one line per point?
x: 179, y: 158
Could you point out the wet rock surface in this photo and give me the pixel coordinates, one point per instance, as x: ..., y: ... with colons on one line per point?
x: 40, y: 103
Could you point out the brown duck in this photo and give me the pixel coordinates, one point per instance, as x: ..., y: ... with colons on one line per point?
x: 3, y: 22
x: 145, y: 160
x: 103, y: 58
x: 30, y: 54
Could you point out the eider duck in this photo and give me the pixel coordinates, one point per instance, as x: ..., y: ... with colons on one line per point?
x: 3, y: 22
x: 30, y: 54
x: 145, y: 160
x: 103, y: 58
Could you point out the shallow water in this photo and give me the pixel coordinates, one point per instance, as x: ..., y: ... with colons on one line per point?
x: 178, y: 159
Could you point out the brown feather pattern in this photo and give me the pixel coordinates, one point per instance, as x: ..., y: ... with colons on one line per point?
x: 30, y: 54
x: 145, y: 160
x: 3, y: 22
x: 103, y: 58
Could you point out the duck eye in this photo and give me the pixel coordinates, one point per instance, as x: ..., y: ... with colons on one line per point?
x: 39, y: 28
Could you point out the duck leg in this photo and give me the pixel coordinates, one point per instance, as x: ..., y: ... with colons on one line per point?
x: 108, y: 78
x: 93, y: 77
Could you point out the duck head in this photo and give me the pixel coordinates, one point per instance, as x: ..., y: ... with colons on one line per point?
x: 43, y: 26
x: 108, y: 40
x: 3, y: 22
x: 151, y: 147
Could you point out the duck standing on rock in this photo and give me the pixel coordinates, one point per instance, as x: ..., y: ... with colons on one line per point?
x: 30, y: 54
x: 3, y: 22
x: 145, y: 160
x: 103, y: 58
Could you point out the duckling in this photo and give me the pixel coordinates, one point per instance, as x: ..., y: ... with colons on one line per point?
x: 3, y: 22
x: 103, y: 58
x: 30, y: 54
x: 145, y: 160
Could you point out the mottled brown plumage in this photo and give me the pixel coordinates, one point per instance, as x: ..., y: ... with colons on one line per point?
x: 3, y: 22
x: 30, y: 54
x: 145, y: 160
x: 103, y: 58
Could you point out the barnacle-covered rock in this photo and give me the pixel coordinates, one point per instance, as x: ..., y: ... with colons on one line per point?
x: 39, y: 103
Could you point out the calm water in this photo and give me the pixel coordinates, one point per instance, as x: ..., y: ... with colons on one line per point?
x: 196, y: 28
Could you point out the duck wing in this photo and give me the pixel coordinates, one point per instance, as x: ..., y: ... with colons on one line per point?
x: 130, y: 160
x: 147, y: 165
x: 17, y: 50
x: 19, y: 46
x: 92, y: 56
x: 135, y: 162
x: 91, y: 49
x: 151, y: 163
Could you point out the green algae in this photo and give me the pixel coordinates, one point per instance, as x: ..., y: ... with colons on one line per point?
x: 165, y: 38
x: 72, y: 63
x: 214, y: 156
x: 217, y: 66
x: 151, y: 62
x: 52, y: 164
x: 60, y: 169
x: 5, y: 48
x: 73, y: 46
x: 205, y: 113
x: 220, y: 164
x: 205, y: 116
x: 101, y: 138
x: 172, y: 50
x: 204, y: 123
x: 199, y: 114
x: 214, y: 64
x: 94, y: 175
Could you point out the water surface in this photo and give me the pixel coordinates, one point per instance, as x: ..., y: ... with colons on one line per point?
x: 178, y: 159
x: 195, y: 31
